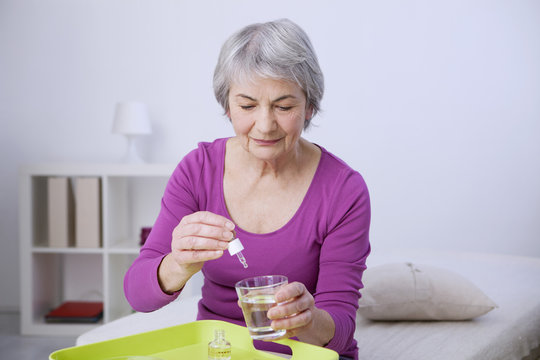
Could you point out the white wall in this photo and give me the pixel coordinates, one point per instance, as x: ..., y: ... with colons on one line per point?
x: 435, y: 103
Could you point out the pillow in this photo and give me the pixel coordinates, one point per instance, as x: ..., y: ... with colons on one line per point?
x: 407, y: 291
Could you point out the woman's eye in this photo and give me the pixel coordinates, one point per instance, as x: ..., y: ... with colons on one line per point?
x: 247, y: 107
x: 284, y: 108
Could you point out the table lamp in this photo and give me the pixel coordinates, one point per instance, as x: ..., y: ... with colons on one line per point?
x: 131, y: 120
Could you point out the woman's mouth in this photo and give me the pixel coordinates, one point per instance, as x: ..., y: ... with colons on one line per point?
x: 264, y: 142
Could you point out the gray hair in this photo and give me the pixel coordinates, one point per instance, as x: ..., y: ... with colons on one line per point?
x: 278, y: 49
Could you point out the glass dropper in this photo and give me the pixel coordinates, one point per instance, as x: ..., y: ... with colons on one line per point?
x: 235, y: 248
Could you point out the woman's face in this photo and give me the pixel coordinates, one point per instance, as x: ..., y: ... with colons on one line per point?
x: 268, y: 116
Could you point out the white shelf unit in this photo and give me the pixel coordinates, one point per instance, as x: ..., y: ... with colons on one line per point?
x: 130, y: 199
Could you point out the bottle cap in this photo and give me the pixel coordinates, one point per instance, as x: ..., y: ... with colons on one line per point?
x: 235, y: 246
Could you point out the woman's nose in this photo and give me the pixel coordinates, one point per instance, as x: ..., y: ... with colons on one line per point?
x: 266, y: 121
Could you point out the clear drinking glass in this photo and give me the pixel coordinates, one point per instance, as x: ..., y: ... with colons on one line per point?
x: 256, y: 296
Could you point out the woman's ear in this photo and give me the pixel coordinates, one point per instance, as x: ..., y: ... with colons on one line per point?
x: 309, y: 112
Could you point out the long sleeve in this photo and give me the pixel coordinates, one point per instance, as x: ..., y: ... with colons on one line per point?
x: 141, y: 285
x: 343, y: 257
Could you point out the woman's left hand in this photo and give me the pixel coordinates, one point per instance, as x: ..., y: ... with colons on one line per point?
x: 295, y: 311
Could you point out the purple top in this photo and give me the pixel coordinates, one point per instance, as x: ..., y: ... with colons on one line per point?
x: 324, y: 245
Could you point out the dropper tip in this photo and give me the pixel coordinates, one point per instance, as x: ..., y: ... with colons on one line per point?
x: 242, y: 260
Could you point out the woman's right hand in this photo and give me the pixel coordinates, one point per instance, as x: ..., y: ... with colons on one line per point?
x: 199, y: 237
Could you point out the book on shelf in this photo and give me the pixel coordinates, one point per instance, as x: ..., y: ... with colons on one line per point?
x: 60, y: 204
x: 76, y: 312
x: 87, y: 212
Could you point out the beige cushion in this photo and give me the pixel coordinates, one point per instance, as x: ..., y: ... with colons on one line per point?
x: 407, y: 291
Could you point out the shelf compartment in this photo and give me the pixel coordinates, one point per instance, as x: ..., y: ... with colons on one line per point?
x: 59, y: 277
x: 131, y: 203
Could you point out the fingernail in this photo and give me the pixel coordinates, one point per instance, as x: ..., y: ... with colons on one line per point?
x: 228, y: 235
x: 229, y: 225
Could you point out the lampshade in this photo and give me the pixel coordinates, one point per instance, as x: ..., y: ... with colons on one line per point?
x: 131, y: 118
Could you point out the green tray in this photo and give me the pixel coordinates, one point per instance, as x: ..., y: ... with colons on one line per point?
x: 188, y: 341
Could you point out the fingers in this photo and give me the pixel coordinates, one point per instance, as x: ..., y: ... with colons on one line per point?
x: 218, y: 232
x: 294, y: 323
x: 194, y: 242
x: 204, y: 230
x: 208, y: 218
x: 200, y: 237
x: 198, y: 256
x: 290, y: 291
x: 289, y: 306
x: 294, y: 311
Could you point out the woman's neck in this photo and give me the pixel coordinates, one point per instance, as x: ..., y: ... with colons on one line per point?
x: 284, y: 167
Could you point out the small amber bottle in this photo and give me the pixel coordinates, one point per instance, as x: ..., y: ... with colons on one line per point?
x: 219, y: 348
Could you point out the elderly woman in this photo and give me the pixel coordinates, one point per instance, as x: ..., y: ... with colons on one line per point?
x: 299, y: 210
